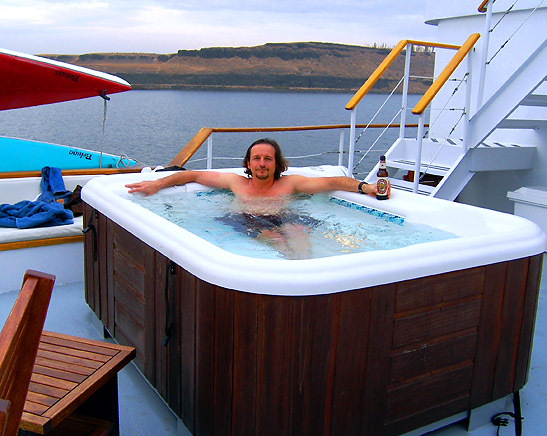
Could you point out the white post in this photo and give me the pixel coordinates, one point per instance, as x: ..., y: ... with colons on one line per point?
x: 404, y: 98
x: 351, y: 148
x: 484, y: 59
x: 210, y: 152
x: 467, y: 106
x: 420, y: 139
x: 341, y: 149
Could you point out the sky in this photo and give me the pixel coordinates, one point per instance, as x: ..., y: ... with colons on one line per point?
x: 166, y: 26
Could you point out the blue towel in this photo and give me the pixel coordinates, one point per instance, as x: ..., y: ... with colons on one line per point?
x: 26, y: 214
x: 53, y: 186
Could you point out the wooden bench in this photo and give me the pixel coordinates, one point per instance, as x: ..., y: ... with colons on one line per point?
x: 73, y: 388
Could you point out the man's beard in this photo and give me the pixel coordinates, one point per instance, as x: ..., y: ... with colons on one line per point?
x: 264, y: 175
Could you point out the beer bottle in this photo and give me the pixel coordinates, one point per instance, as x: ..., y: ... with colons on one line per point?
x: 382, y: 182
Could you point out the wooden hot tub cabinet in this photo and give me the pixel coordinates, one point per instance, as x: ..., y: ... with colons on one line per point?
x: 380, y: 360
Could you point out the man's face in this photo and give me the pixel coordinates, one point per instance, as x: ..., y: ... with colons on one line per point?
x: 262, y: 161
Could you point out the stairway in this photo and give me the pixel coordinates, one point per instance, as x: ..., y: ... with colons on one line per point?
x: 449, y: 164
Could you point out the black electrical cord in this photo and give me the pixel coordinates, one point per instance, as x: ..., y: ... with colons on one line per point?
x: 500, y: 419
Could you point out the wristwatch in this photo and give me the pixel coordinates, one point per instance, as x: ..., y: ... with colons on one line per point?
x: 360, y: 188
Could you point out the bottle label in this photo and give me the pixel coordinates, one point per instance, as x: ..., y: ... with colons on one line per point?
x: 382, y: 185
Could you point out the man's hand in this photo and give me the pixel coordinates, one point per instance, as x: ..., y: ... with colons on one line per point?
x: 147, y: 187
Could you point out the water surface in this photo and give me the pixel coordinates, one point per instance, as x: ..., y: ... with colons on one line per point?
x: 309, y: 226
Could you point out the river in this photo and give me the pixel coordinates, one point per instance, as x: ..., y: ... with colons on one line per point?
x: 152, y: 126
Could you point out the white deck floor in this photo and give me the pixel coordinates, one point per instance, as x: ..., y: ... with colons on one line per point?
x: 142, y: 412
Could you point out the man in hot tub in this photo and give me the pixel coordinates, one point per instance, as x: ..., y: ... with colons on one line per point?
x: 262, y: 194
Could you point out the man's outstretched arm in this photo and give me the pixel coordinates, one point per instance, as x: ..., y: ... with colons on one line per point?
x: 212, y: 179
x: 313, y: 185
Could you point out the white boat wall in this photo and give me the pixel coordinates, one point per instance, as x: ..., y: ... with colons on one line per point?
x: 487, y: 131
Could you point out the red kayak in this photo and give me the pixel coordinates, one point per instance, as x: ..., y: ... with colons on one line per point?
x: 27, y: 80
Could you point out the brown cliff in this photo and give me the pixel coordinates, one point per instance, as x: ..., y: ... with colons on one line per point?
x: 309, y: 66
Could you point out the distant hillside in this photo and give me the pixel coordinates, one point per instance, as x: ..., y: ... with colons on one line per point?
x: 277, y: 66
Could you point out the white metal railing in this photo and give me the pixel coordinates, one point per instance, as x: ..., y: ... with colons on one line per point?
x: 205, y: 135
x: 405, y: 80
x: 487, y: 6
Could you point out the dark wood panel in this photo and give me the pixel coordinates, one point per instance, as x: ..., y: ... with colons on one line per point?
x: 426, y: 326
x: 172, y: 283
x: 299, y: 355
x: 436, y: 413
x: 426, y: 358
x: 204, y: 358
x: 128, y: 277
x: 105, y: 263
x: 188, y: 307
x: 127, y: 296
x: 443, y: 288
x: 531, y: 300
x: 224, y: 361
x: 153, y: 286
x: 351, y: 358
x: 377, y: 366
x: 488, y: 335
x: 133, y: 248
x: 271, y: 364
x: 245, y: 364
x: 133, y: 331
x: 321, y: 369
x: 103, y: 247
x: 426, y: 393
x: 513, y: 302
x: 90, y: 266
x: 160, y: 353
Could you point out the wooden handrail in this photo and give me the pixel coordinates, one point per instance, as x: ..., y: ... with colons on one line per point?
x: 6, y: 246
x: 445, y: 74
x: 197, y: 141
x: 193, y: 145
x: 358, y: 96
x: 482, y: 7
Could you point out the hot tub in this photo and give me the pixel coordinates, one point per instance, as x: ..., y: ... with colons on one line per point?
x: 367, y: 343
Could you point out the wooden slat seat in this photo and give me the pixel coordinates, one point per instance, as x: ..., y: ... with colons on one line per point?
x: 71, y: 374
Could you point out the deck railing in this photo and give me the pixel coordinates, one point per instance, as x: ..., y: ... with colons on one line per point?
x: 408, y: 45
x: 487, y: 7
x: 419, y: 109
x: 205, y: 134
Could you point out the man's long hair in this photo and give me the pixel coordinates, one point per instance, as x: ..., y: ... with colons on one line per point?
x: 281, y: 163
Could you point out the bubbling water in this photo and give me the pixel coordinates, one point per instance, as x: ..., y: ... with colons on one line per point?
x: 297, y: 227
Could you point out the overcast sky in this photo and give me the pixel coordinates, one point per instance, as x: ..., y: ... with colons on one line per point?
x: 165, y: 26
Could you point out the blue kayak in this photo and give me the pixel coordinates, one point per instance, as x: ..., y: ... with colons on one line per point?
x: 25, y: 155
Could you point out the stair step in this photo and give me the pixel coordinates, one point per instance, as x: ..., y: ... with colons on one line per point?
x: 535, y: 100
x: 522, y: 124
x: 497, y: 156
x: 403, y: 185
x: 409, y: 165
